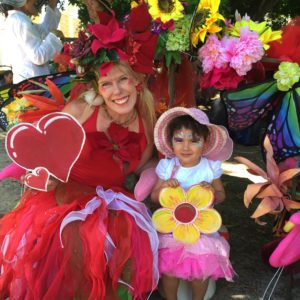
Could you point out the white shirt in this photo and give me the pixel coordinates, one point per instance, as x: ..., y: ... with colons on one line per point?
x: 30, y: 46
x: 206, y: 170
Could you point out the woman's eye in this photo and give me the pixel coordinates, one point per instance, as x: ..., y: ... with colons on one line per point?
x: 123, y: 78
x: 105, y: 84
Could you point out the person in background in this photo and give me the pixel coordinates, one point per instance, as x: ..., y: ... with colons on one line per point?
x: 6, y: 78
x: 30, y: 46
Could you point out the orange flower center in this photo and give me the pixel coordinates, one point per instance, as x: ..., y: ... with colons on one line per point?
x: 185, y: 213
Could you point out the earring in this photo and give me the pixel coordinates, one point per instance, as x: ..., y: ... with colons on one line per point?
x: 139, y: 87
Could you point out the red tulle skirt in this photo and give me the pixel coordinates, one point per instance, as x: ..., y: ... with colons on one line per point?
x: 39, y: 262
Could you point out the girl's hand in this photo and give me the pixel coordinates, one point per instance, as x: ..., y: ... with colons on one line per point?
x: 207, y: 185
x: 172, y: 182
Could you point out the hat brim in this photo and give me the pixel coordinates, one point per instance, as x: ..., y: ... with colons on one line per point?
x: 218, y: 145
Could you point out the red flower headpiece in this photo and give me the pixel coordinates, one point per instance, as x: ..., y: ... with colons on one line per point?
x: 109, y: 41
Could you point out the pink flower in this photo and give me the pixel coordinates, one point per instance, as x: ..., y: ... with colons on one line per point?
x: 247, y: 51
x: 209, y: 53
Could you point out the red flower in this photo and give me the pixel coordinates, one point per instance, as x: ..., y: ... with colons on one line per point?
x: 124, y: 144
x: 221, y: 79
x: 107, y: 36
x: 141, y: 42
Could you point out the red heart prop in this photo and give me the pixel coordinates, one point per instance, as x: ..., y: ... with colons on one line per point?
x: 55, y: 144
x: 38, y: 179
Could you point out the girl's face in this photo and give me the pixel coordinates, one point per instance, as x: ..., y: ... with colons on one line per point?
x: 186, y: 148
x: 118, y: 90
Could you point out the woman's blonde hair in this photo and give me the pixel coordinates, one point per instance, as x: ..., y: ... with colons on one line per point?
x: 145, y: 103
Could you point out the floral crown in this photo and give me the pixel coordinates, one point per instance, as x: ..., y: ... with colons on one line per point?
x: 102, y: 44
x: 150, y: 31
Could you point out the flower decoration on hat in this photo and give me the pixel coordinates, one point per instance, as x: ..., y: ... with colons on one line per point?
x: 186, y: 214
x: 102, y: 44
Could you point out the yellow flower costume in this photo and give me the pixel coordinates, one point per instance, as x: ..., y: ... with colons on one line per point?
x: 186, y: 214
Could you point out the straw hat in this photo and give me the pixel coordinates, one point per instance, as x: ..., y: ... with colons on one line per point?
x: 218, y: 145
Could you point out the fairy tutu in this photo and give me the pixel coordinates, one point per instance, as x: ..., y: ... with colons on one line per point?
x: 207, y: 258
x: 87, y: 237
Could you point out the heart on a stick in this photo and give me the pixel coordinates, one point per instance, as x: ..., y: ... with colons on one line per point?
x: 53, y: 144
x: 38, y: 179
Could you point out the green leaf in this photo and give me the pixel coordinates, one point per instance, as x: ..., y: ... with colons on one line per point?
x: 161, y: 45
x: 172, y: 56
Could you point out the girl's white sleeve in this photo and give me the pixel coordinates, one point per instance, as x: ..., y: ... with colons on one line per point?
x: 50, y: 22
x: 39, y: 51
x: 163, y: 169
x: 216, y: 167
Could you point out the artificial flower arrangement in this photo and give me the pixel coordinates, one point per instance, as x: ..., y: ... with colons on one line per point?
x: 170, y: 28
x: 229, y: 57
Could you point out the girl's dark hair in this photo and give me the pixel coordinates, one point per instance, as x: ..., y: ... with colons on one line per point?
x: 187, y: 122
x: 4, y: 8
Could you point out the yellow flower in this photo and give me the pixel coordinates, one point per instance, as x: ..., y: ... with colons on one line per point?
x: 266, y: 35
x: 186, y: 214
x: 204, y: 21
x: 270, y: 36
x: 166, y: 10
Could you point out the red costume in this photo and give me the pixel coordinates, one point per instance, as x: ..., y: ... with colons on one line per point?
x: 72, y: 243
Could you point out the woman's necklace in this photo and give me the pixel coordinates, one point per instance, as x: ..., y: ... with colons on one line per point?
x: 125, y: 123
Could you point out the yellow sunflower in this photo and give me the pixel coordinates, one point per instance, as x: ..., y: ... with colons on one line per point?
x: 165, y: 10
x: 186, y: 214
x: 204, y: 21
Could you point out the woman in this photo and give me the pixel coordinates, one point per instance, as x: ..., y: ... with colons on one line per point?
x: 30, y: 46
x: 48, y: 252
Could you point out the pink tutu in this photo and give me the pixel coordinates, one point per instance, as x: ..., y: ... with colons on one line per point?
x: 207, y: 258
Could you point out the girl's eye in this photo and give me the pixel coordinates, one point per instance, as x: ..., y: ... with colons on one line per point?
x: 177, y: 139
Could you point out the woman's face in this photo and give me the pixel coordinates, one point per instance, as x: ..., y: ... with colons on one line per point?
x: 118, y: 90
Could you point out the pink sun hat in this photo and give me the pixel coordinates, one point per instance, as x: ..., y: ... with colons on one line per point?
x: 218, y: 145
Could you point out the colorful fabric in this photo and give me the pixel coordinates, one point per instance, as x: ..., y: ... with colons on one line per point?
x: 73, y: 242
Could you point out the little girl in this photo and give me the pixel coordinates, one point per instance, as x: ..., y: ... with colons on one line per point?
x: 194, y: 149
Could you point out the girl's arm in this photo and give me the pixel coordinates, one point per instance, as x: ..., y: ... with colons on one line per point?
x: 160, y: 184
x: 219, y: 191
